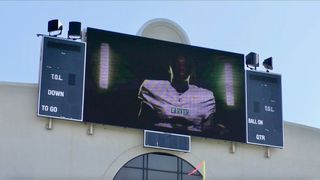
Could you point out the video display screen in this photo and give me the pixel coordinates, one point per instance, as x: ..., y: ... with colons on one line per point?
x: 151, y: 84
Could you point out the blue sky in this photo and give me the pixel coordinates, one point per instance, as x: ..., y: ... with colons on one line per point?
x: 287, y: 31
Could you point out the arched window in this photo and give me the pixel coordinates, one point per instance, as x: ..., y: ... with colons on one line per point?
x: 157, y: 166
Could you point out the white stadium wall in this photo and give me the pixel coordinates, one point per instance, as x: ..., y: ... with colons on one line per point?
x: 29, y: 151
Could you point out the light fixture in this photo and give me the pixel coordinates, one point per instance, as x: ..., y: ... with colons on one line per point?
x: 55, y: 27
x: 267, y: 63
x: 74, y: 30
x: 252, y: 60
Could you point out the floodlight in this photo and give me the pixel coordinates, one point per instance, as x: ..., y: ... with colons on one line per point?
x: 55, y: 27
x: 267, y: 63
x: 252, y: 60
x: 74, y: 30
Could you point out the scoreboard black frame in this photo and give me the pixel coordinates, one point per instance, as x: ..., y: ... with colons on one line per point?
x: 61, y: 78
x: 264, y: 109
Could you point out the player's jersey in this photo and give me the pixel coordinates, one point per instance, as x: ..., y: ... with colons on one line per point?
x: 194, y: 105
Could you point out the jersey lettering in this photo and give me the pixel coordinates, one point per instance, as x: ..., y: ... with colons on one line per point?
x: 179, y: 111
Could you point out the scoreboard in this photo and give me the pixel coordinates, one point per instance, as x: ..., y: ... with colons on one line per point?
x: 108, y: 71
x: 264, y: 109
x: 61, y: 82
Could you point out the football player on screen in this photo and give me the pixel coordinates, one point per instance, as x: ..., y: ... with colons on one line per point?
x: 176, y: 103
